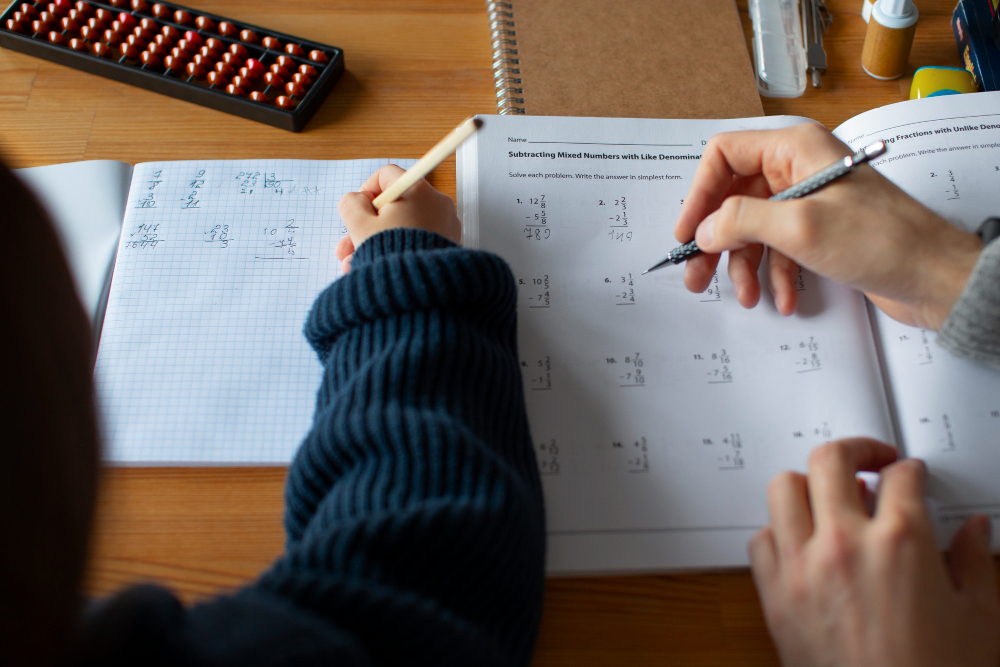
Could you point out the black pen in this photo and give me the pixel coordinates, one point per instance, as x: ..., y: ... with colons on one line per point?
x: 800, y: 189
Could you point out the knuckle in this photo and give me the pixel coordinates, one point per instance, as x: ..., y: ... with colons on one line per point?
x: 896, y: 532
x: 837, y: 554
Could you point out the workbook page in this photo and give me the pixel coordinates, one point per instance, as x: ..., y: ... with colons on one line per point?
x: 658, y: 415
x: 202, y: 359
x: 945, y: 152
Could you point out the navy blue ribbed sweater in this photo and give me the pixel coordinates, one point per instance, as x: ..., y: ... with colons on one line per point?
x: 415, y: 530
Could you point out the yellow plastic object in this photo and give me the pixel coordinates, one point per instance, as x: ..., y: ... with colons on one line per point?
x: 934, y: 81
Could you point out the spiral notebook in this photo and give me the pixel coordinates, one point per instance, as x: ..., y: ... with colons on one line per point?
x: 635, y: 59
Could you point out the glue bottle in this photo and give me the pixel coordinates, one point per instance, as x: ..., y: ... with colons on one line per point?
x: 889, y: 38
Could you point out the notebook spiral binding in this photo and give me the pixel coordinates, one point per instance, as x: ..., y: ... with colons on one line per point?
x: 506, y: 70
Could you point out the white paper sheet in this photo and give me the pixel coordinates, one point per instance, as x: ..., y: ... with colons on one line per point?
x: 658, y: 415
x: 86, y: 201
x: 202, y: 358
x: 945, y: 152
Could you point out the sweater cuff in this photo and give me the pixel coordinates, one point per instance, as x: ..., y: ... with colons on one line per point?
x: 972, y: 330
x: 398, y: 240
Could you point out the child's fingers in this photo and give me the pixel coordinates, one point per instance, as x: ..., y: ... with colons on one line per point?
x: 381, y: 179
x: 345, y: 264
x: 356, y: 208
x: 345, y: 247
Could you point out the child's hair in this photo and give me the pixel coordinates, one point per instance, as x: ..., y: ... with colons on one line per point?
x: 49, y: 445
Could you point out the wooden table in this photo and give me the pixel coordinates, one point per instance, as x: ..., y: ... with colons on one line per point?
x: 414, y: 68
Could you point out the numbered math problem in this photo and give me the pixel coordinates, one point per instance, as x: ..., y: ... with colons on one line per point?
x: 535, y: 291
x: 547, y: 454
x: 917, y: 346
x: 615, y: 210
x: 279, y: 241
x: 632, y: 455
x: 726, y: 452
x: 623, y: 289
x: 537, y: 373
x: 149, y: 190
x: 716, y: 366
x: 804, y: 354
x: 628, y: 369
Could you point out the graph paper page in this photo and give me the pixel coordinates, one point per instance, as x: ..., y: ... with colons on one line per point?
x: 202, y: 358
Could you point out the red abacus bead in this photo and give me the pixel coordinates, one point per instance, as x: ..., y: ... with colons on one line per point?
x: 255, y: 66
x: 294, y: 89
x: 164, y: 41
x: 57, y: 38
x: 158, y: 49
x: 216, y: 45
x: 143, y: 34
x: 103, y: 15
x: 285, y: 102
x: 271, y: 43
x: 249, y: 36
x: 216, y: 79
x: 96, y: 24
x: 149, y: 24
x: 286, y: 62
x: 294, y: 50
x: 84, y: 8
x: 150, y: 60
x: 129, y: 50
x: 127, y: 21
x: 78, y: 44
x: 48, y: 19
x: 174, y: 64
x: 242, y: 82
x: 225, y: 69
x: 206, y: 61
x: 118, y: 4
x: 161, y: 11
x: 227, y: 29
x: 20, y: 17
x: 89, y: 34
x: 69, y: 25
x: 74, y: 14
x: 235, y: 90
x: 232, y: 59
x: 117, y: 26
x: 280, y: 71
x: 171, y: 33
x: 206, y: 52
x: 183, y: 17
x: 180, y: 54
x: 204, y: 23
x: 29, y: 10
x: 258, y: 96
x: 101, y: 49
x: 273, y: 79
x: 112, y: 37
x: 187, y: 46
x: 309, y: 71
x: 16, y: 26
x: 37, y: 27
x: 238, y: 50
x: 137, y: 41
x: 192, y: 36
x: 318, y: 57
x: 140, y: 6
x: 302, y: 79
x: 60, y: 7
x: 195, y: 70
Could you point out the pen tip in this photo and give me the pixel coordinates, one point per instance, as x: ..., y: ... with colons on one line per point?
x: 644, y: 272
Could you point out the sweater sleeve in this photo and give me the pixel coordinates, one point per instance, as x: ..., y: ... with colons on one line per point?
x: 972, y: 330
x: 413, y: 508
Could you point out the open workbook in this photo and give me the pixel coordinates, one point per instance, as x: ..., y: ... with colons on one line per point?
x: 659, y: 415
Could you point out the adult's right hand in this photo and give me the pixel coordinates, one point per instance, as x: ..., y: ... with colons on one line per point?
x: 861, y: 230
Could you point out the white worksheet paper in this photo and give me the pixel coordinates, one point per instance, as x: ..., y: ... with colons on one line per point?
x: 658, y: 415
x: 945, y: 152
x: 202, y: 359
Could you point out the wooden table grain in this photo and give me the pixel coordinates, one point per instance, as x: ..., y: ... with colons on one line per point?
x: 414, y: 69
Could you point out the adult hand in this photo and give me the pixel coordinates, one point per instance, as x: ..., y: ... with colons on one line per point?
x: 420, y: 207
x: 840, y: 586
x: 860, y: 230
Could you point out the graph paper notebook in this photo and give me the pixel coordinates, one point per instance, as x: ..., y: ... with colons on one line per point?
x: 659, y: 415
x: 201, y: 357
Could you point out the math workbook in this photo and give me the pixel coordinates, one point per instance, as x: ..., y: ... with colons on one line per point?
x: 201, y: 358
x: 659, y: 415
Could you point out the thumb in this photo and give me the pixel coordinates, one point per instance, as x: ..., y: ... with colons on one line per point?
x: 742, y: 220
x: 969, y: 558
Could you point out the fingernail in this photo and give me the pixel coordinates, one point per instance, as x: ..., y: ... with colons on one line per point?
x: 706, y: 232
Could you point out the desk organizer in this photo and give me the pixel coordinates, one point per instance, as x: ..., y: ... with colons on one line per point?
x: 210, y: 60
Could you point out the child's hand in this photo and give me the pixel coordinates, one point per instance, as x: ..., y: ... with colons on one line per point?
x: 420, y: 207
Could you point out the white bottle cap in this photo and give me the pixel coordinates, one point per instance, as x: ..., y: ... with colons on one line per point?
x: 895, y: 13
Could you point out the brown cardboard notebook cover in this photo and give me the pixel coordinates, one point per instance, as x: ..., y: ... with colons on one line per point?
x: 633, y: 59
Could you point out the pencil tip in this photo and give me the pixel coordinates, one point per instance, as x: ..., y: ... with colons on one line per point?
x: 644, y: 272
x: 478, y: 122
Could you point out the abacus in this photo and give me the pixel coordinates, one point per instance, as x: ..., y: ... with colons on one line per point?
x: 210, y: 60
